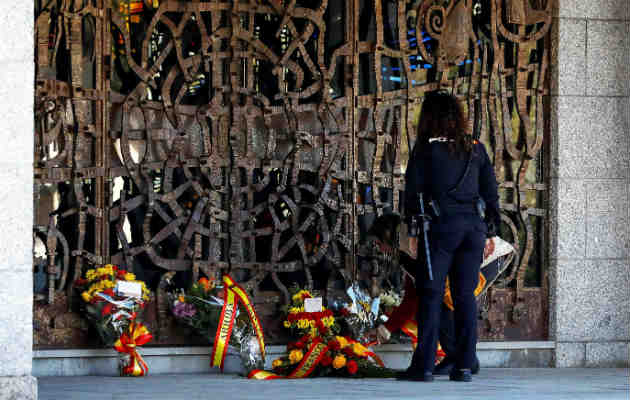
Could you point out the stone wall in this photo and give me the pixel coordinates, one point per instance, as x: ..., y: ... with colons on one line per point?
x: 590, y: 132
x: 16, y: 200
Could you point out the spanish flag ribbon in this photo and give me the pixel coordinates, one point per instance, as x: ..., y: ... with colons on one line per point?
x: 365, y: 351
x: 448, y: 298
x: 232, y: 295
x: 137, y: 335
x: 410, y: 328
x: 261, y: 375
x: 310, y: 360
x: 306, y: 366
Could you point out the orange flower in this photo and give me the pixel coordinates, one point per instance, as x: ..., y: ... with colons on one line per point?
x: 296, y: 356
x: 339, y: 362
x: 206, y: 284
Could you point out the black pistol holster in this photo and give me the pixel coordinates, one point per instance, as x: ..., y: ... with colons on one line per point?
x: 426, y: 224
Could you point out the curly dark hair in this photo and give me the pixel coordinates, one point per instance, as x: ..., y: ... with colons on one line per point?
x: 442, y: 116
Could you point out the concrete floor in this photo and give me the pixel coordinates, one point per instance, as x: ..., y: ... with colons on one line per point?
x: 490, y: 384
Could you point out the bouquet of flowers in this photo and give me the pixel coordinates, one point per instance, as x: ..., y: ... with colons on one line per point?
x: 112, y: 301
x: 320, y: 347
x: 201, y: 308
x: 361, y: 314
x: 389, y: 300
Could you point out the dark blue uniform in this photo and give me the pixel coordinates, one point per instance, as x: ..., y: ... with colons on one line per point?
x: 457, y: 239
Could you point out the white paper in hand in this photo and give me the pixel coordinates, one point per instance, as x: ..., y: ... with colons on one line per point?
x: 128, y: 289
x: 313, y: 304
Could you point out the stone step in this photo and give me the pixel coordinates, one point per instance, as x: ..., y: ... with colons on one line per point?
x: 195, y: 360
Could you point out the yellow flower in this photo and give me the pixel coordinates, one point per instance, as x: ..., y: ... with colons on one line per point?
x: 86, y: 296
x: 287, y: 324
x: 299, y: 296
x: 181, y: 298
x: 342, y: 341
x: 276, y: 363
x: 339, y: 362
x: 90, y: 274
x: 359, y: 349
x: 294, y: 310
x: 130, y: 277
x: 314, y: 332
x: 106, y: 270
x: 311, y: 323
x: 295, y: 356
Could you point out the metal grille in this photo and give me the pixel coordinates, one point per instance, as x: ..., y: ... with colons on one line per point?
x: 262, y: 137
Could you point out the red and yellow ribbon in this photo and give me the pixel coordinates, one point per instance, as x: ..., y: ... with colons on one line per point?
x: 136, y: 335
x: 366, y: 352
x: 261, y: 375
x: 311, y: 360
x: 448, y: 298
x: 316, y: 352
x: 232, y: 295
x: 410, y: 328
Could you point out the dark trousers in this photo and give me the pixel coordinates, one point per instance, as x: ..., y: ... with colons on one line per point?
x: 446, y: 333
x: 457, y: 247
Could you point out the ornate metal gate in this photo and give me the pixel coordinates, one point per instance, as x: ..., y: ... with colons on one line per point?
x: 188, y: 137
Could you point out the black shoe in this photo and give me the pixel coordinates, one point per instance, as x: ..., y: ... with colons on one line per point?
x: 460, y: 375
x: 475, y: 367
x: 444, y: 367
x: 414, y: 375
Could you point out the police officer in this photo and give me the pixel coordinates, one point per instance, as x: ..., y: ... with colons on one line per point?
x: 453, y: 171
x: 383, y: 232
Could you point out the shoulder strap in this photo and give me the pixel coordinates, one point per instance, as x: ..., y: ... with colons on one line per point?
x: 459, y: 183
x: 464, y: 175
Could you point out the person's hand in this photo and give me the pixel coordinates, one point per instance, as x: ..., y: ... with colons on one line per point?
x: 489, y: 249
x: 413, y: 247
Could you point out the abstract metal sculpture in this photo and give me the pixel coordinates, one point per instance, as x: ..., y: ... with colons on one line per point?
x: 263, y: 136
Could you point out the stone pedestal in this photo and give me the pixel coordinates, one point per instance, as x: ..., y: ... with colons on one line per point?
x: 16, y: 200
x: 590, y: 271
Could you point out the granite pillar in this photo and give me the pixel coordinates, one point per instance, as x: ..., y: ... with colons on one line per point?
x: 590, y: 140
x: 16, y: 200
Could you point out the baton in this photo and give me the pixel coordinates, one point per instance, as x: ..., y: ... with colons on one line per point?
x: 425, y: 229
